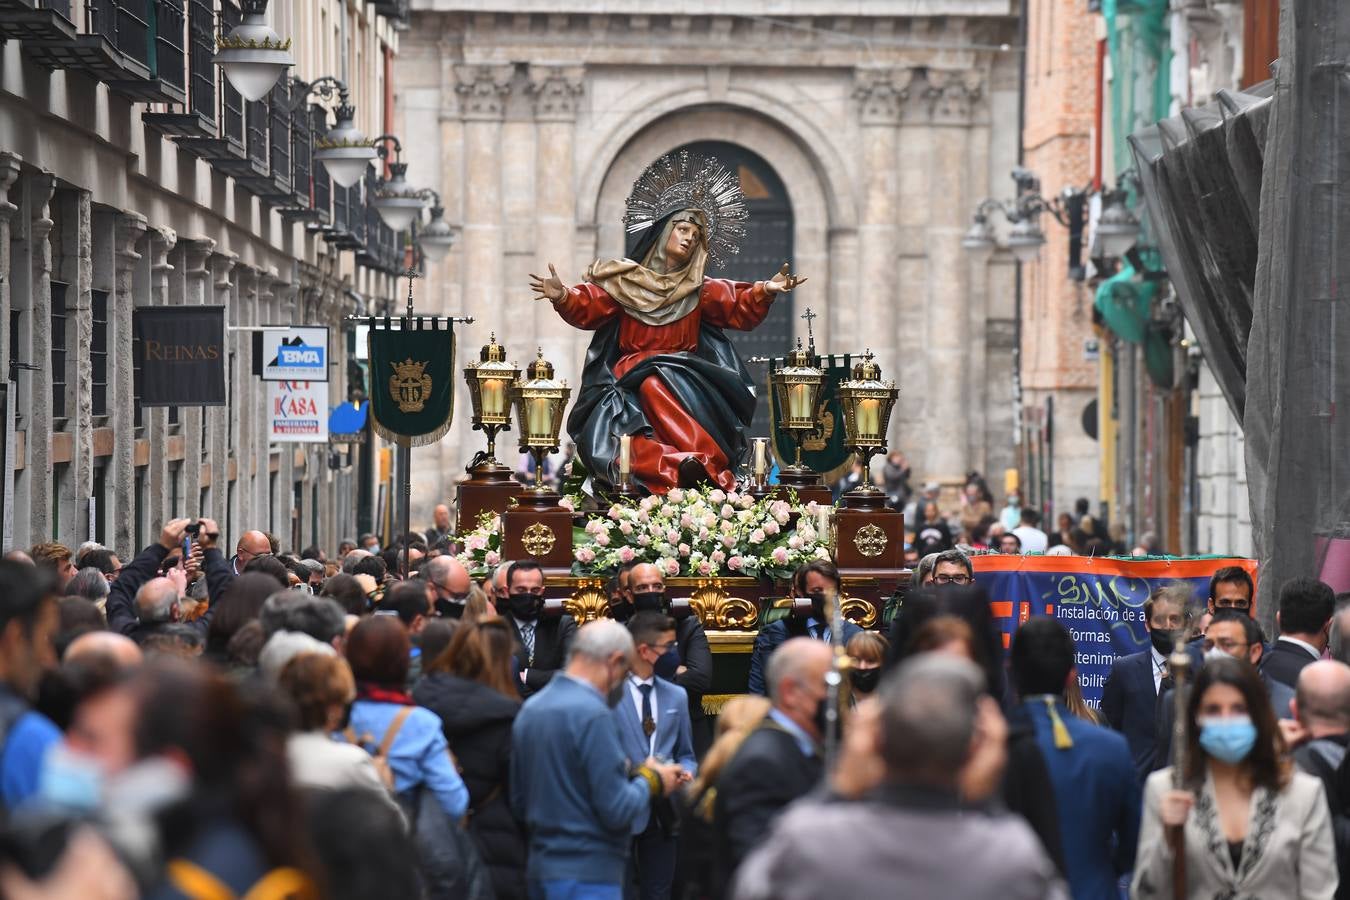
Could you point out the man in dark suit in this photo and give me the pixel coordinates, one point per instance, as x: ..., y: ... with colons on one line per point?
x: 1304, y: 620
x: 780, y: 760
x: 652, y: 717
x: 815, y: 580
x: 1130, y: 695
x: 645, y: 591
x: 541, y: 643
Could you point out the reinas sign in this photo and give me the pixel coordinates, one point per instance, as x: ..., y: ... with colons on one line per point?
x: 159, y: 351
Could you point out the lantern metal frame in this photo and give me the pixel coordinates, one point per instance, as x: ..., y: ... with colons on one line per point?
x: 398, y: 202
x: 252, y: 47
x: 540, y: 384
x: 343, y: 143
x: 866, y: 384
x: 491, y: 366
x: 798, y: 372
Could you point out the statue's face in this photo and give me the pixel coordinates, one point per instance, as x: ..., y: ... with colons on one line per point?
x: 680, y: 246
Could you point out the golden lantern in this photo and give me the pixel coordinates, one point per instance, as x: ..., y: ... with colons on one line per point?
x: 796, y: 387
x: 490, y: 381
x: 540, y: 401
x: 866, y: 402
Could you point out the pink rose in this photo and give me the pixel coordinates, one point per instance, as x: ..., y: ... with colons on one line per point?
x: 643, y: 516
x: 709, y: 520
x: 625, y: 528
x: 822, y: 552
x: 602, y: 538
x: 672, y: 536
x: 771, y: 528
x: 585, y: 555
x: 615, y: 511
x: 684, y: 549
x: 593, y: 526
x: 734, y: 563
x: 728, y: 510
x: 780, y: 555
x: 491, y: 558
x: 757, y: 536
x: 566, y: 504
x: 717, y: 495
x: 626, y: 554
x: 476, y: 542
x: 728, y: 541
x: 795, y: 542
x: 747, y: 501
x: 643, y: 540
x: 703, y: 534
x: 704, y: 568
x: 675, y: 495
x: 807, y: 533
x: 718, y: 557
x: 672, y: 567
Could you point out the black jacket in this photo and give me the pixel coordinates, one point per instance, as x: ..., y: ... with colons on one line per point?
x: 696, y: 657
x: 121, y: 605
x: 477, y: 725
x: 1026, y: 788
x: 768, y: 772
x: 552, y: 637
x: 1283, y: 661
x: 768, y: 640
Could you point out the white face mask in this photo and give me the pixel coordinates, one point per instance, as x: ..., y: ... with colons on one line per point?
x: 1214, y: 653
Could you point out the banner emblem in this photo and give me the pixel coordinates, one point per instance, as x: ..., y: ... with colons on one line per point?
x: 409, y: 386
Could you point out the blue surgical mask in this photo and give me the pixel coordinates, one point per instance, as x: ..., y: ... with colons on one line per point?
x: 1228, y: 739
x: 70, y: 781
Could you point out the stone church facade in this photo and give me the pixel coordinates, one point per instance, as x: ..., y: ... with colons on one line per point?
x: 885, y: 122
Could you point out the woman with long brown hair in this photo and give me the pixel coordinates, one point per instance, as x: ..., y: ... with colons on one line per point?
x: 1252, y: 827
x: 470, y: 686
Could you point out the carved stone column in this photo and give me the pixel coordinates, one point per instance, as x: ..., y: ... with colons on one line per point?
x: 217, y: 417
x: 78, y: 486
x: 245, y: 406
x: 162, y: 242
x: 131, y: 228
x: 556, y: 91
x: 198, y: 291
x: 953, y: 96
x: 881, y: 94
x: 33, y: 489
x: 9, y: 173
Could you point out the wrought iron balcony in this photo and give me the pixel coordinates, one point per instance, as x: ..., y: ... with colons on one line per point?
x: 197, y: 119
x: 135, y: 46
x: 36, y: 20
x: 305, y: 205
x: 223, y: 145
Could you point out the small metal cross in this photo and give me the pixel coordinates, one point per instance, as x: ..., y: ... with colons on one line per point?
x: 410, y: 274
x: 810, y: 334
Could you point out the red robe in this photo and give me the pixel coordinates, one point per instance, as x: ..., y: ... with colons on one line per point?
x: 676, y: 434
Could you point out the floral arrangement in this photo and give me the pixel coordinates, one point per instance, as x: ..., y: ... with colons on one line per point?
x: 702, y: 532
x: 688, y: 532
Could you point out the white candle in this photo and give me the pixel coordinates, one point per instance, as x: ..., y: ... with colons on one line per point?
x: 540, y: 415
x: 869, y: 417
x: 625, y: 454
x: 799, y: 402
x: 823, y: 523
x: 494, y: 397
x: 761, y: 457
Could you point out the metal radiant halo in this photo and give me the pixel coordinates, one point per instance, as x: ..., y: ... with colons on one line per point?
x: 538, y: 539
x: 870, y: 540
x: 685, y: 180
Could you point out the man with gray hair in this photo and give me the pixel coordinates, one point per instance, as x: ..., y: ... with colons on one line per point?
x: 780, y: 760
x: 570, y: 782
x: 157, y: 603
x: 447, y: 577
x: 351, y: 559
x: 941, y: 747
x: 319, y: 617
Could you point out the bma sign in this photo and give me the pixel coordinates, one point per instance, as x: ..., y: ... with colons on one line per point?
x: 293, y: 354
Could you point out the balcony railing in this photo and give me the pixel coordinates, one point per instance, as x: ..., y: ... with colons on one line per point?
x: 134, y: 46
x: 34, y: 20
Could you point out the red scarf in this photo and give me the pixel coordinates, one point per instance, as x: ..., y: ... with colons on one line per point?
x: 376, y: 694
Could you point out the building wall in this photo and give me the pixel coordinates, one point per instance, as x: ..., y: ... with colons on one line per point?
x: 1057, y: 309
x: 885, y: 128
x: 92, y: 197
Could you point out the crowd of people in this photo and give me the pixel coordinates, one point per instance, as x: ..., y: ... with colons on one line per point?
x: 380, y: 724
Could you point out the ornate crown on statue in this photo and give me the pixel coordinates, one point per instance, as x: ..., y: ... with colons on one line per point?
x: 685, y: 180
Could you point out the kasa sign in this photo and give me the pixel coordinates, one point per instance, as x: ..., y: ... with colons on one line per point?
x: 297, y: 411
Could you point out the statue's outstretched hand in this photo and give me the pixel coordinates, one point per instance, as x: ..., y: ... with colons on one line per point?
x: 551, y: 287
x: 783, y: 281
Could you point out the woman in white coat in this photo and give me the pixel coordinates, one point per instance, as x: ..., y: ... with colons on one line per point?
x: 1253, y: 827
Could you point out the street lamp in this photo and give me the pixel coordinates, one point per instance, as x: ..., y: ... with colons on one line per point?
x: 397, y: 202
x: 344, y: 151
x: 1117, y: 226
x: 437, y: 237
x: 797, y: 386
x: 540, y: 400
x: 1024, y: 212
x: 252, y: 55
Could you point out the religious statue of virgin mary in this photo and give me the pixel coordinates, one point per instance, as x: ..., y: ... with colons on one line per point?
x: 660, y: 367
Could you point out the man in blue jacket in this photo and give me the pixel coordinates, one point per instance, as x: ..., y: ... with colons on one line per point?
x: 653, y: 721
x: 1096, y: 788
x: 571, y: 783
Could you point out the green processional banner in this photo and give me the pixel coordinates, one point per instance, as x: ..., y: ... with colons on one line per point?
x: 412, y: 379
x: 823, y: 450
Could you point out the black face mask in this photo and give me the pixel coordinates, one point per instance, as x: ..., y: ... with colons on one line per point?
x: 524, y: 606
x: 818, y: 607
x: 621, y: 611
x: 1162, y: 641
x: 865, y: 680
x: 649, y: 601
x: 449, y: 609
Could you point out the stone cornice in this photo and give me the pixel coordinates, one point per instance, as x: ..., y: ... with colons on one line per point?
x: 955, y: 96
x: 9, y: 173
x: 130, y: 227
x: 556, y: 91
x: 40, y: 187
x: 482, y: 90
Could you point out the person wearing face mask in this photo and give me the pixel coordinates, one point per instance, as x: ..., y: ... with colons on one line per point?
x: 779, y: 761
x: 645, y: 590
x: 571, y: 782
x: 868, y: 650
x: 1230, y: 633
x: 1252, y: 826
x: 816, y: 580
x: 653, y: 721
x: 541, y: 643
x: 1135, y: 682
